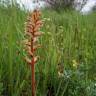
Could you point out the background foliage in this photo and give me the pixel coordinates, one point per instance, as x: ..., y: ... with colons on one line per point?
x: 69, y: 39
x: 60, y: 4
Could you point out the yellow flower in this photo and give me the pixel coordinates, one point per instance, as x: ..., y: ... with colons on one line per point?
x: 75, y: 64
x: 60, y: 69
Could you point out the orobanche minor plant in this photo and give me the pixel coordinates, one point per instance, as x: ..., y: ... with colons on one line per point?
x: 32, y: 32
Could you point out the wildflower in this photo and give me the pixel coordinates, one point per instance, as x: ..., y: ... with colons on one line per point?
x: 75, y: 64
x: 60, y: 69
x: 32, y: 33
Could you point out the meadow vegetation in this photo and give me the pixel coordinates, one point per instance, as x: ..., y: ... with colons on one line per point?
x: 69, y: 39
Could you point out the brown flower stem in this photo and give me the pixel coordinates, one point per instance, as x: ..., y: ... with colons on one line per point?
x: 33, y: 68
x: 33, y: 25
x: 33, y: 77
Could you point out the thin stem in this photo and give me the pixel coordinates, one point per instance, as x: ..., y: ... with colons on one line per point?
x: 33, y: 77
x: 33, y: 68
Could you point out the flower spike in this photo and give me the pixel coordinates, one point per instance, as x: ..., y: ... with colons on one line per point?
x: 32, y: 32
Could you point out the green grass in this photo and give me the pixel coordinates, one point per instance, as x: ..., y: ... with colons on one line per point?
x: 67, y: 36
